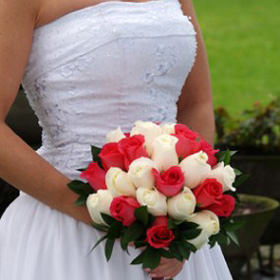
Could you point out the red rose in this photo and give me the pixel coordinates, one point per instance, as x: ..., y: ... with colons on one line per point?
x: 208, y: 149
x: 224, y: 207
x: 186, y: 146
x: 159, y: 236
x: 111, y: 156
x: 160, y: 221
x: 122, y: 209
x: 132, y: 148
x: 169, y: 182
x: 95, y: 176
x: 210, y: 191
x: 181, y: 129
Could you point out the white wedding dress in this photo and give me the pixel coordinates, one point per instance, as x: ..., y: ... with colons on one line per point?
x: 90, y: 71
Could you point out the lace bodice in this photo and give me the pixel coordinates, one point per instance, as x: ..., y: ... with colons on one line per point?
x: 103, y: 66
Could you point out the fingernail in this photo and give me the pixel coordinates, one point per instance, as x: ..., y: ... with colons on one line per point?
x: 147, y: 269
x: 153, y: 275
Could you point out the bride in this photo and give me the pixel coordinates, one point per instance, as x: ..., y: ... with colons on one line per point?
x: 88, y: 66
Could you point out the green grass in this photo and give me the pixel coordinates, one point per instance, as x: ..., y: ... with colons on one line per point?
x: 243, y: 44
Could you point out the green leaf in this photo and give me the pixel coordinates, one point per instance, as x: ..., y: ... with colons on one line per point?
x: 191, y: 246
x: 81, y: 200
x: 98, y: 242
x: 95, y: 152
x: 191, y: 233
x: 139, y: 244
x: 233, y: 237
x: 165, y: 253
x: 140, y: 258
x: 109, y: 248
x: 142, y: 215
x: 108, y: 219
x: 151, y: 258
x: 237, y: 172
x: 133, y: 232
x: 188, y: 225
x: 241, y: 179
x: 184, y: 249
x: 95, y: 155
x: 99, y: 227
x: 80, y: 188
x: 225, y: 156
x: 115, y: 230
x: 174, y: 250
x: 171, y: 223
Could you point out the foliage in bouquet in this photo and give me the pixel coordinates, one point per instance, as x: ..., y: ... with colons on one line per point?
x: 162, y: 188
x: 256, y: 129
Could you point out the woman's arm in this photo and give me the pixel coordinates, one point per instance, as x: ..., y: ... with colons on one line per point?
x: 195, y: 107
x: 19, y: 164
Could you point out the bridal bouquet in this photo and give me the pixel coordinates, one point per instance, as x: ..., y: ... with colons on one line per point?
x: 160, y: 187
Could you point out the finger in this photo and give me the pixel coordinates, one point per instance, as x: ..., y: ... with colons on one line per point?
x: 173, y: 267
x: 166, y: 270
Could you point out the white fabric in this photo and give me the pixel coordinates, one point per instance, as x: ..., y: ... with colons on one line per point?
x: 90, y: 71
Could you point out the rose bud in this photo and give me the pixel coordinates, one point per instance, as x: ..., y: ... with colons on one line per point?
x: 181, y: 129
x: 208, y: 149
x: 132, y: 148
x: 224, y: 174
x: 95, y: 176
x: 154, y: 200
x: 186, y: 147
x: 195, y: 169
x: 208, y: 192
x: 170, y: 182
x: 111, y: 156
x: 164, y: 151
x: 224, y: 207
x: 119, y: 183
x: 181, y: 206
x: 159, y: 236
x: 167, y: 128
x: 208, y: 222
x: 149, y: 130
x: 98, y: 203
x: 122, y: 209
x: 140, y: 173
x: 115, y: 135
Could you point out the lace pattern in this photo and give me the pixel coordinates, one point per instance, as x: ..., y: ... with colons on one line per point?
x: 103, y: 66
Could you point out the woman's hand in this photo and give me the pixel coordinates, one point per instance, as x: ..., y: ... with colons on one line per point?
x: 168, y: 268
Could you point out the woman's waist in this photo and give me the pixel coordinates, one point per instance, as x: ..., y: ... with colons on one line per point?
x: 67, y: 159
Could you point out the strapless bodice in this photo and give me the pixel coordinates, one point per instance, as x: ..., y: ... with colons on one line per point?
x: 103, y: 66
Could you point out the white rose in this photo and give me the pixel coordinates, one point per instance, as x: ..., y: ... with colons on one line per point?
x: 195, y: 169
x: 150, y: 131
x: 168, y: 128
x: 208, y: 222
x: 154, y: 200
x: 164, y: 151
x: 140, y: 172
x: 119, y: 183
x: 182, y: 205
x: 115, y: 135
x: 98, y: 203
x: 224, y: 174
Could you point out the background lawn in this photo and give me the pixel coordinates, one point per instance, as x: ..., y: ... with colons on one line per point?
x: 243, y: 44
